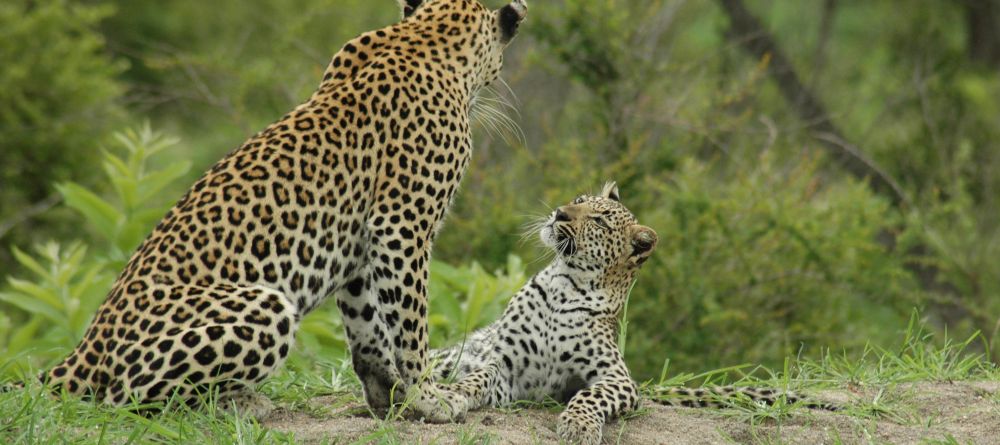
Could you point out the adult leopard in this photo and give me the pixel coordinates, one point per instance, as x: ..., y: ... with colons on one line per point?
x: 343, y: 195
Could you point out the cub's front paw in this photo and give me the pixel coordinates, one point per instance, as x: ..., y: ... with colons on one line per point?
x: 574, y: 429
x: 436, y: 403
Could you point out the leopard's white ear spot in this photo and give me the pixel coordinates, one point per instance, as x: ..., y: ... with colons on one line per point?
x: 644, y: 240
x: 408, y: 7
x: 610, y: 191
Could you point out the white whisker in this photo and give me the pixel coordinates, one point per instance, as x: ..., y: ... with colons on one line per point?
x: 509, y: 90
x: 489, y: 110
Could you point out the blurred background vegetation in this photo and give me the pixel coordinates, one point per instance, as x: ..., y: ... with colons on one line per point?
x: 815, y: 169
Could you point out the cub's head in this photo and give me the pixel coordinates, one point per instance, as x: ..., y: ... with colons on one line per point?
x: 598, y: 233
x: 462, y: 35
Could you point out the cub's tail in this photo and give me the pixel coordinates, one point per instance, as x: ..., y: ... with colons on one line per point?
x: 723, y: 396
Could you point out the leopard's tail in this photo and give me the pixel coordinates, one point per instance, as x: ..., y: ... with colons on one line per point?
x: 12, y: 386
x: 723, y: 396
x: 42, y: 378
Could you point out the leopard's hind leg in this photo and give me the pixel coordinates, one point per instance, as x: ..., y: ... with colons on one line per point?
x: 183, y: 342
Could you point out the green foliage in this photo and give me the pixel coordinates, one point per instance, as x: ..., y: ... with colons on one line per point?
x: 765, y: 265
x: 767, y: 250
x: 67, y: 284
x: 58, y: 93
x: 61, y: 296
x: 921, y: 356
x: 926, y: 111
x: 140, y: 202
x: 221, y: 70
x: 467, y: 298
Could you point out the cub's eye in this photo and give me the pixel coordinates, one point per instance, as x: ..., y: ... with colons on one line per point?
x: 600, y: 222
x: 579, y: 200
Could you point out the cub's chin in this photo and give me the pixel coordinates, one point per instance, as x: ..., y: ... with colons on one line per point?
x: 549, y: 236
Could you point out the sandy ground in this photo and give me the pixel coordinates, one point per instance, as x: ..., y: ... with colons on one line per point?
x: 921, y: 413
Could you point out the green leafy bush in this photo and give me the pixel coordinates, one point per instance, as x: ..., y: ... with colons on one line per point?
x: 139, y: 200
x: 63, y: 291
x: 68, y: 283
x: 467, y: 298
x: 768, y: 264
x: 58, y: 94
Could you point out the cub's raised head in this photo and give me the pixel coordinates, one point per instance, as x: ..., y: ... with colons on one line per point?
x: 598, y: 233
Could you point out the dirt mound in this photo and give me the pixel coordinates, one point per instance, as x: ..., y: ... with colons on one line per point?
x: 968, y: 412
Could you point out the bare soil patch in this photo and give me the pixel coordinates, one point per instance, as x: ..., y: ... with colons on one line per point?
x: 917, y: 413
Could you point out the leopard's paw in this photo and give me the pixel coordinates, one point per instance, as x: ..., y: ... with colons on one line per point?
x: 436, y: 403
x: 248, y: 403
x: 578, y: 430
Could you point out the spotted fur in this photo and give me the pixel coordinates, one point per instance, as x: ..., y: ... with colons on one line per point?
x: 723, y: 396
x: 341, y: 196
x: 558, y: 335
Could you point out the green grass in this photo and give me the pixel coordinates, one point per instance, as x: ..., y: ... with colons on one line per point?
x: 32, y: 416
x: 879, y: 373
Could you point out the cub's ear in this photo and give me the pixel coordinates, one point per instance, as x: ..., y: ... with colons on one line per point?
x: 610, y: 191
x: 644, y: 241
x: 408, y: 7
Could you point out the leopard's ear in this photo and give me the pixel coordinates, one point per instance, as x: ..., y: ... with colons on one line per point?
x: 643, y: 241
x: 408, y: 7
x: 610, y: 191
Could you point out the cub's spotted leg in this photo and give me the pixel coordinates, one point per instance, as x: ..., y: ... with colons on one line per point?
x: 609, y: 393
x: 481, y: 388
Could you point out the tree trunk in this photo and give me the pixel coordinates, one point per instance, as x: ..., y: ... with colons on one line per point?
x: 982, y: 19
x: 745, y: 29
x: 750, y: 33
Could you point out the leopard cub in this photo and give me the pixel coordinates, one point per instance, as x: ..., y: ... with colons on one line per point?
x: 558, y: 336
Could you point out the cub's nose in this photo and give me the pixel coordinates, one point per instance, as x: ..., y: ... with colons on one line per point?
x: 561, y: 215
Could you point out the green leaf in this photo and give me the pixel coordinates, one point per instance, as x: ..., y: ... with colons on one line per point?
x: 90, y: 278
x: 121, y: 177
x: 102, y: 215
x: 131, y: 235
x: 24, y: 336
x: 153, y: 183
x: 448, y: 274
x: 29, y: 262
x: 36, y: 292
x: 32, y: 306
x: 115, y: 166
